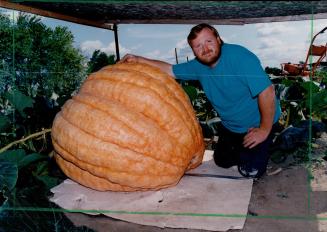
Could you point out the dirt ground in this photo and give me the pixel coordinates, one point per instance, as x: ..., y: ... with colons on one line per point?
x: 293, y: 199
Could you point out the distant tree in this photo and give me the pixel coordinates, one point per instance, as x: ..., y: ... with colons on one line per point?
x: 41, y: 60
x: 98, y: 60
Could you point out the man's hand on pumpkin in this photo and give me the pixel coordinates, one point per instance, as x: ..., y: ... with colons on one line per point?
x: 254, y: 137
x: 129, y: 58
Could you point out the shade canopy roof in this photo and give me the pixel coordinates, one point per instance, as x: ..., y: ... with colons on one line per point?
x: 105, y: 13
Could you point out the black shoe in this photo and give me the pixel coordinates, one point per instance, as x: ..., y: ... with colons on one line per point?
x: 248, y: 171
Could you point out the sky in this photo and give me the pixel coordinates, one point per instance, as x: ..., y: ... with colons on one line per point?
x: 273, y: 43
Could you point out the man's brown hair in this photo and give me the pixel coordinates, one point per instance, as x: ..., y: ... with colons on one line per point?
x: 198, y: 28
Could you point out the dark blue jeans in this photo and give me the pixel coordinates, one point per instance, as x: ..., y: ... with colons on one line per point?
x: 229, y: 151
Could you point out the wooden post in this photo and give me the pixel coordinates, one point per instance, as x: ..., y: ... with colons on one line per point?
x: 116, y: 42
x: 176, y: 56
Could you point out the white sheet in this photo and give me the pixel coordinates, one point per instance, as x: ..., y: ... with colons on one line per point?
x: 197, y: 202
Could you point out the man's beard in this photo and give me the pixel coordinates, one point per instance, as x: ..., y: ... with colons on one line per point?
x: 213, y: 60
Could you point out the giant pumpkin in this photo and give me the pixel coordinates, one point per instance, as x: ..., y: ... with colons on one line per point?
x: 131, y: 127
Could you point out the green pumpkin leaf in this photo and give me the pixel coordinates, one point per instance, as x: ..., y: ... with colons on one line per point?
x: 309, y: 85
x: 13, y: 156
x: 8, y: 175
x: 4, y: 203
x: 48, y: 181
x: 41, y: 169
x: 28, y: 159
x: 19, y: 100
x: 319, y: 102
x: 191, y: 92
x: 4, y: 122
x: 287, y: 82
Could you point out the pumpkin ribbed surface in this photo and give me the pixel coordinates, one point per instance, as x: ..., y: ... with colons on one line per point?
x: 130, y: 127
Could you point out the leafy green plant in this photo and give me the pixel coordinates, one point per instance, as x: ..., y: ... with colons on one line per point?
x: 39, y: 70
x: 8, y: 175
x: 319, y: 104
x: 17, y: 159
x: 25, y: 181
x: 201, y: 104
x: 303, y: 99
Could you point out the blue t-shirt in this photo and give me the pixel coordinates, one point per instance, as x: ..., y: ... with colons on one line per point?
x: 232, y: 86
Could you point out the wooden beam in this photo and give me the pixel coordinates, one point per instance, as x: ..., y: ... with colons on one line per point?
x: 286, y: 18
x: 50, y: 14
x: 235, y: 21
x: 178, y: 21
x: 108, y: 23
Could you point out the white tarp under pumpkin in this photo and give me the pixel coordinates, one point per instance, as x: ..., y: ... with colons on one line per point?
x: 196, y: 202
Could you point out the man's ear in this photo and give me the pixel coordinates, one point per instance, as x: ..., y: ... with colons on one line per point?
x: 219, y: 40
x: 190, y: 44
x: 191, y: 48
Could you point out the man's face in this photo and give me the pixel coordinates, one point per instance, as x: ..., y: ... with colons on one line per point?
x: 206, y: 47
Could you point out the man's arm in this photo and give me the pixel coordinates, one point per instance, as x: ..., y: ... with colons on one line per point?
x: 266, y: 102
x: 164, y: 66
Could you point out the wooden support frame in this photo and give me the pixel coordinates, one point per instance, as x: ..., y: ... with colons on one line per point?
x: 108, y: 22
x: 50, y: 14
x: 238, y: 22
x: 115, y: 28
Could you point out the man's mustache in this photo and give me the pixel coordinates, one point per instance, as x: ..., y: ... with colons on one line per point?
x: 205, y: 53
